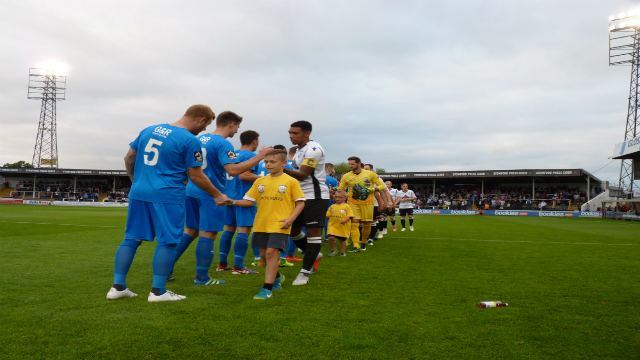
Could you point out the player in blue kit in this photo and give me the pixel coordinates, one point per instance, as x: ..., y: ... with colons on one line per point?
x: 159, y: 162
x: 203, y: 218
x: 240, y: 218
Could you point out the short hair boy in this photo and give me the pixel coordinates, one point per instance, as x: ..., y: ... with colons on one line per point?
x: 340, y: 215
x: 280, y: 200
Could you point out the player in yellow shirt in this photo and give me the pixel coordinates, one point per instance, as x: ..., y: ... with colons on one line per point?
x: 279, y: 200
x: 362, y: 185
x: 339, y: 215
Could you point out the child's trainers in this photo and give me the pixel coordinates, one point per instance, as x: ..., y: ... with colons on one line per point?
x: 277, y: 284
x: 343, y: 254
x: 333, y: 253
x: 264, y: 294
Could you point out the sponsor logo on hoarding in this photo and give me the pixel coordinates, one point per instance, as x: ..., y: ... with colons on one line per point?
x: 36, y: 202
x: 436, y: 211
x: 463, y: 212
x: 590, y: 214
x: 555, y: 213
x: 524, y: 214
x: 511, y: 213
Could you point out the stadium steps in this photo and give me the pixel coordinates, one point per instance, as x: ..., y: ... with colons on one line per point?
x: 6, y: 191
x: 102, y: 196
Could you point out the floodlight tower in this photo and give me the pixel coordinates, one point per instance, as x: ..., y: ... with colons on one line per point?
x: 47, y: 83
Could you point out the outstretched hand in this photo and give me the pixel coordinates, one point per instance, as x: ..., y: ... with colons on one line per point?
x: 264, y: 150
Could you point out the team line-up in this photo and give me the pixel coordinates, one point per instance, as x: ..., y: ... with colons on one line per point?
x: 285, y: 198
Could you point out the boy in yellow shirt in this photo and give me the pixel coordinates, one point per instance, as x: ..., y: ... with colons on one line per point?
x: 340, y: 215
x: 280, y: 200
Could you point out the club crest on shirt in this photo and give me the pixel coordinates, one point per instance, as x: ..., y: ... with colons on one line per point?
x: 197, y: 155
x: 232, y: 155
x: 342, y: 212
x: 282, y: 188
x: 261, y: 189
x: 332, y: 210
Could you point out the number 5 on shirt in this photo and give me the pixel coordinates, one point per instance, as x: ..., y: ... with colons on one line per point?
x: 150, y: 149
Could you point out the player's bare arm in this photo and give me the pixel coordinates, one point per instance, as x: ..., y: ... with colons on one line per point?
x: 391, y: 204
x: 237, y: 169
x: 249, y: 176
x: 376, y: 194
x: 289, y: 221
x: 304, y: 172
x: 130, y: 162
x: 202, y: 181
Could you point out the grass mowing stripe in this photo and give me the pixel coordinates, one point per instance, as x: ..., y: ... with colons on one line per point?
x: 34, y: 223
x: 513, y: 241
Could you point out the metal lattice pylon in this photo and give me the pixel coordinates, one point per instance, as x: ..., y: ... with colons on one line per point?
x: 624, y: 49
x: 50, y: 87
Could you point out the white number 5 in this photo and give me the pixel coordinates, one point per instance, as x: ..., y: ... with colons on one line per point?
x: 150, y: 149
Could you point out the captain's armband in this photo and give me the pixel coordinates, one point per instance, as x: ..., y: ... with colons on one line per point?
x: 310, y: 162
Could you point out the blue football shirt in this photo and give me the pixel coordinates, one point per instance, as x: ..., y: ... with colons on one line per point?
x: 164, y: 154
x: 236, y: 188
x: 216, y: 153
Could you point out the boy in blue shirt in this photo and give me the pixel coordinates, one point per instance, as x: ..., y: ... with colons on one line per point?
x: 159, y: 162
x: 240, y: 218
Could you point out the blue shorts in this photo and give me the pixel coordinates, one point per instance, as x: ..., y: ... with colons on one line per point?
x: 240, y: 216
x: 147, y: 220
x: 204, y: 215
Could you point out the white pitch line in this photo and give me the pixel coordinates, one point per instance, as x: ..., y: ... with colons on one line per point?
x: 517, y: 241
x: 35, y: 223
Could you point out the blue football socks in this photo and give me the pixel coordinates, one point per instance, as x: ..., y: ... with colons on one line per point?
x: 204, y: 257
x: 240, y: 250
x: 163, y: 260
x: 225, y: 246
x: 184, y: 244
x: 124, y: 257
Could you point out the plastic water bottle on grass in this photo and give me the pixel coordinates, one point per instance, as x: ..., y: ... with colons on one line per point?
x: 488, y: 304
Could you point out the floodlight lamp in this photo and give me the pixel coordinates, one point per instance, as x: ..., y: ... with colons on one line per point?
x: 621, y: 15
x: 611, y: 18
x: 56, y: 69
x: 612, y: 27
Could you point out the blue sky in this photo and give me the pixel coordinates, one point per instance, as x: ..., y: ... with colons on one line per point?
x: 405, y: 85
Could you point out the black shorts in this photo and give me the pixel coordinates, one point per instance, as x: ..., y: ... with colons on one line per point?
x: 376, y: 213
x: 270, y: 240
x: 391, y: 212
x: 341, y: 238
x: 405, y: 212
x: 313, y: 215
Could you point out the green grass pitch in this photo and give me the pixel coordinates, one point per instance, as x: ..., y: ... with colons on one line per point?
x: 573, y: 288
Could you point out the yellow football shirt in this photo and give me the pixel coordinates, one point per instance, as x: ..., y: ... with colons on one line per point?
x: 361, y: 187
x: 335, y: 214
x: 275, y: 198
